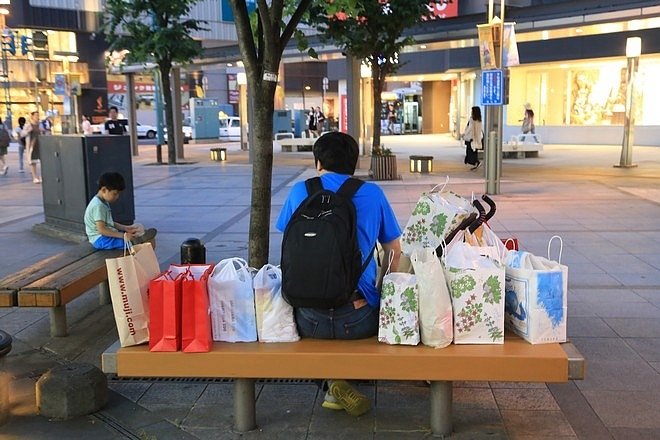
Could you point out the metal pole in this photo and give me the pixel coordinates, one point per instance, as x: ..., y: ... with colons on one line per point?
x: 441, y: 408
x: 132, y: 113
x: 629, y: 122
x: 244, y: 405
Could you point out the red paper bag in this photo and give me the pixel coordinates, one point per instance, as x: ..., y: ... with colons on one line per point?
x: 196, y: 332
x: 165, y: 309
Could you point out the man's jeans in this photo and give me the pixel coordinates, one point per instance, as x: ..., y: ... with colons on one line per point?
x: 344, y: 322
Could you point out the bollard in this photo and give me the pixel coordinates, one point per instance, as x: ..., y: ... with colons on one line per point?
x: 193, y: 252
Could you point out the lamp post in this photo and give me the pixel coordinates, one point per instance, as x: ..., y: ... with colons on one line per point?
x: 633, y: 51
x: 5, y: 63
x: 241, y: 79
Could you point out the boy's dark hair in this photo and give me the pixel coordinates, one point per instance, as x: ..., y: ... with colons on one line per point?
x: 114, y: 107
x: 112, y: 181
x: 337, y: 152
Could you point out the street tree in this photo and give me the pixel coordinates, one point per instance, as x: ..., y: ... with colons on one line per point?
x: 262, y: 37
x: 155, y: 31
x: 375, y: 34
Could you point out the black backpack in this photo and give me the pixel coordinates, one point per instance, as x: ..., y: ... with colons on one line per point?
x: 321, y: 260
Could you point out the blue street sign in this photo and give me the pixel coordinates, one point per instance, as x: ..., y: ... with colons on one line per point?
x: 492, y: 87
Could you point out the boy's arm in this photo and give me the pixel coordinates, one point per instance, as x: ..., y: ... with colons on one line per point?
x: 107, y: 232
x: 131, y: 230
x: 393, y: 247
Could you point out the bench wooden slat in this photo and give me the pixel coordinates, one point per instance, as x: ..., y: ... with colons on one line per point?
x: 45, y: 267
x: 515, y: 361
x: 68, y: 283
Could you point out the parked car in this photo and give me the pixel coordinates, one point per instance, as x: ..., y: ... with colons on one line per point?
x: 230, y: 128
x: 187, y: 133
x: 146, y: 131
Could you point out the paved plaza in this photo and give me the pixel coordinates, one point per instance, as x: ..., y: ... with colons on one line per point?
x: 608, y: 219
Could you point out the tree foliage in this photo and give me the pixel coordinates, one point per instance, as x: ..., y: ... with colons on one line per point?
x: 155, y: 31
x: 373, y: 32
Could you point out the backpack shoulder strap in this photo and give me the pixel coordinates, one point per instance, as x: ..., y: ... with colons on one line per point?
x: 313, y: 185
x: 350, y: 187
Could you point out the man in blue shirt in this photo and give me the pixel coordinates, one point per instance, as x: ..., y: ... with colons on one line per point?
x: 335, y: 157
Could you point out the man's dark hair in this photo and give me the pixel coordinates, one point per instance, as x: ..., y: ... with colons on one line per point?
x: 337, y: 152
x: 114, y: 107
x: 112, y: 181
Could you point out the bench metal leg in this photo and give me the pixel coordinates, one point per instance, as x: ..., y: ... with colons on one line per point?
x: 57, y: 321
x: 244, y: 405
x: 441, y: 408
x: 104, y: 293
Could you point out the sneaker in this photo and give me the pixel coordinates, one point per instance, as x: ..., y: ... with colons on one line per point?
x: 21, y: 171
x: 4, y: 170
x: 476, y: 166
x: 354, y: 402
x: 36, y: 180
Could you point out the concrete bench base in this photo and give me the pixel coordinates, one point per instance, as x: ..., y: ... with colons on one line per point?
x: 71, y: 390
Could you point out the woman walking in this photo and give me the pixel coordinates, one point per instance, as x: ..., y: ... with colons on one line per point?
x: 473, y: 137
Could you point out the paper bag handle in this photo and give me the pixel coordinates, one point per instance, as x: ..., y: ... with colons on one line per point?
x: 443, y: 185
x: 561, y: 247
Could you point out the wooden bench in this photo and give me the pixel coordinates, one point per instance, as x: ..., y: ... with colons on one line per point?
x: 55, y: 281
x: 514, y: 361
x: 301, y: 144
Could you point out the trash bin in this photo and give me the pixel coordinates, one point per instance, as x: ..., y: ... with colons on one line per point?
x: 70, y: 168
x: 193, y: 252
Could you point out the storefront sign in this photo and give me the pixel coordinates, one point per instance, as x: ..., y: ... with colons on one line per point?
x: 492, y: 87
x: 443, y: 10
x: 344, y: 114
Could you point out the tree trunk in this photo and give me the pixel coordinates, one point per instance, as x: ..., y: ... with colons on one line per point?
x: 377, y: 86
x: 262, y: 171
x: 165, y: 69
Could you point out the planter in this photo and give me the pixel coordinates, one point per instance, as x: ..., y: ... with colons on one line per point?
x: 384, y: 168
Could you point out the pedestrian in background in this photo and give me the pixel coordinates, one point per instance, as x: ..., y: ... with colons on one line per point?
x: 4, y: 145
x: 473, y: 137
x: 86, y: 126
x: 31, y: 134
x: 47, y: 125
x: 20, y: 138
x: 311, y: 121
x: 320, y: 120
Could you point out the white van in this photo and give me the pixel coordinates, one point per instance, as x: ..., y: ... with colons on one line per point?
x: 230, y: 128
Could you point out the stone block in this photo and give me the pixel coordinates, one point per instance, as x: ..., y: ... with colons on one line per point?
x: 71, y: 390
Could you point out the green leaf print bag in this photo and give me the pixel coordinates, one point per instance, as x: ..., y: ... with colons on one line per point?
x: 399, y: 309
x: 436, y: 214
x: 476, y: 286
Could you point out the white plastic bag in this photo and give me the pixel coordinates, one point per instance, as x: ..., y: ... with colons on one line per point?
x: 275, y: 322
x: 435, y: 312
x: 231, y: 296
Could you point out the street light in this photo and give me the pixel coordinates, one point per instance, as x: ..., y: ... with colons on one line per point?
x: 633, y: 51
